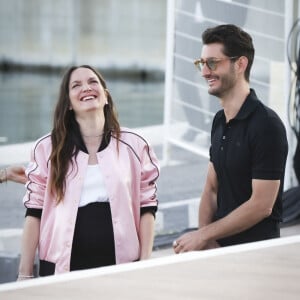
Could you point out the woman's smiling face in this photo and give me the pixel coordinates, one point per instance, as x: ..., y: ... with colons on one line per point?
x: 86, y: 92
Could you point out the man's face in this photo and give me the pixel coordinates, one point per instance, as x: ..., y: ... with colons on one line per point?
x: 218, y: 70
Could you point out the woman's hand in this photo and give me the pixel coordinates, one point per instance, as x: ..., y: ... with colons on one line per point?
x: 16, y: 173
x: 22, y: 277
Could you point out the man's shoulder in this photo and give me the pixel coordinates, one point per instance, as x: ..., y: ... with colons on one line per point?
x: 265, y: 122
x: 266, y: 114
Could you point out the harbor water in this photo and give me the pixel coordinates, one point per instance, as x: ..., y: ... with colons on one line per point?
x: 28, y: 99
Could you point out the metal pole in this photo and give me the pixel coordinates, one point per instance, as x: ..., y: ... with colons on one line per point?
x: 75, y: 25
x: 289, y: 21
x: 170, y: 34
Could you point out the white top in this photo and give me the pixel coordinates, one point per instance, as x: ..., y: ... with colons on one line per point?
x: 94, y: 189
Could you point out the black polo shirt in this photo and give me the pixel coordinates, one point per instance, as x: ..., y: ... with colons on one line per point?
x: 253, y: 145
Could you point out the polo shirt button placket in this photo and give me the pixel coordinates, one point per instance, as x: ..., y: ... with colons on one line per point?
x: 223, y: 138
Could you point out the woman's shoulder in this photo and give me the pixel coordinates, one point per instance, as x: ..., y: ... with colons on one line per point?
x: 131, y: 135
x: 44, y: 141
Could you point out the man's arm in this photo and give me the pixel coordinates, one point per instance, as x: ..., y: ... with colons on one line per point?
x: 258, y: 207
x: 208, y: 203
x: 207, y: 210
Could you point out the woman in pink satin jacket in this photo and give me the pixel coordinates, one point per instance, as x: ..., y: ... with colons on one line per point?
x: 91, y: 185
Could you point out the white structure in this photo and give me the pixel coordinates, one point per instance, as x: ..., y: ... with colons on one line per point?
x: 108, y: 33
x: 188, y: 107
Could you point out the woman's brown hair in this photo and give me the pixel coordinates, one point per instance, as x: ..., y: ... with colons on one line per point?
x: 66, y: 134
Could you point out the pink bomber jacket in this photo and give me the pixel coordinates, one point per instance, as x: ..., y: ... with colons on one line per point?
x: 129, y: 175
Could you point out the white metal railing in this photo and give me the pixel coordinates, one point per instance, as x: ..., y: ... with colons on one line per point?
x: 186, y: 99
x: 192, y: 213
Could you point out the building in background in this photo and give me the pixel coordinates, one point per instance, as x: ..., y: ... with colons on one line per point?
x: 112, y: 34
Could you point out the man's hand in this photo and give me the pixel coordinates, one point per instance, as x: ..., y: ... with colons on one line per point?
x: 193, y: 241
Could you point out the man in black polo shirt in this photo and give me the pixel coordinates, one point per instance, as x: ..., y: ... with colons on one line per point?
x: 241, y: 199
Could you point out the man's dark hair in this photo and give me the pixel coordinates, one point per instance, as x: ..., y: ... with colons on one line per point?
x: 236, y: 42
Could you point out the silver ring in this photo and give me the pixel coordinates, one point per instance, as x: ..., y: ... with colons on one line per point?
x: 175, y: 244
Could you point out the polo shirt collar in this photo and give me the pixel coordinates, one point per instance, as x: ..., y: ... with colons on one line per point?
x: 249, y: 105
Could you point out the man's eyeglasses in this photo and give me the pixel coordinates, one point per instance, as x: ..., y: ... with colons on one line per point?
x: 211, y: 63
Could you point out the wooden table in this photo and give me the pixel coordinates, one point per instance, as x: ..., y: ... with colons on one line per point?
x: 263, y: 270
